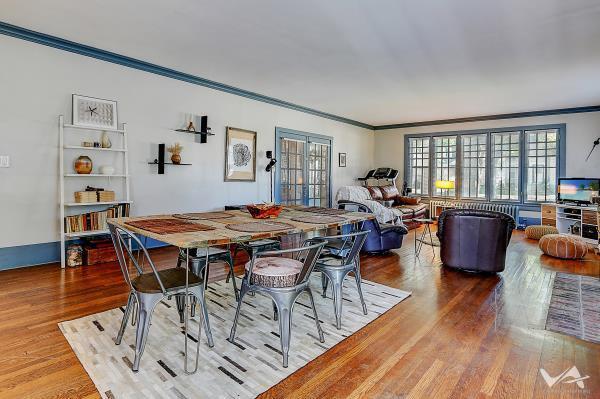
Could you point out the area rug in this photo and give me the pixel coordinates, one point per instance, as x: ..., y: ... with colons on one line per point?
x: 240, y: 370
x: 574, y: 307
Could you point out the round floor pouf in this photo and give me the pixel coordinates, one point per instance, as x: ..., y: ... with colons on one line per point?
x: 563, y: 246
x: 537, y: 232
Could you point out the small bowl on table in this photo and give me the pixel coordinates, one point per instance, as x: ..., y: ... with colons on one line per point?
x: 264, y: 211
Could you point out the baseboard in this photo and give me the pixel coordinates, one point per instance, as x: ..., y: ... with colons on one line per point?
x: 44, y: 253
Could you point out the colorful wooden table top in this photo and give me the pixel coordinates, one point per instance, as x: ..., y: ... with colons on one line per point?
x: 222, y: 235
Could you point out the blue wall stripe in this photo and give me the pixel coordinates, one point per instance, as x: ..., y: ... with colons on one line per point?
x: 88, y: 51
x: 38, y: 254
x: 560, y: 111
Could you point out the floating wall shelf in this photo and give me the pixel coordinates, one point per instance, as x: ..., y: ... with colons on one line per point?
x: 203, y: 132
x: 160, y: 161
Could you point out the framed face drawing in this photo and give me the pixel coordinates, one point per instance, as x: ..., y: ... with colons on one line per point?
x: 240, y: 155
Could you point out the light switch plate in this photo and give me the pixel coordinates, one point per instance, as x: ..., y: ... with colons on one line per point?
x: 4, y: 161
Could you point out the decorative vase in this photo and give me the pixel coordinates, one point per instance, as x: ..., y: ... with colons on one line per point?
x: 176, y: 159
x: 105, y: 141
x: 83, y: 165
x: 107, y: 170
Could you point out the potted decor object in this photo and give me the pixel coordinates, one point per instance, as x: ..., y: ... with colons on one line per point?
x: 264, y: 211
x: 175, y: 151
x: 105, y: 140
x: 83, y: 165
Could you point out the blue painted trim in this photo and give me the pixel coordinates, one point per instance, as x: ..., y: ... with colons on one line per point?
x: 29, y: 255
x: 88, y: 51
x: 39, y: 254
x: 559, y: 111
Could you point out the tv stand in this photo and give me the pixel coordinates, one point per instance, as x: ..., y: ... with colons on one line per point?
x: 578, y: 220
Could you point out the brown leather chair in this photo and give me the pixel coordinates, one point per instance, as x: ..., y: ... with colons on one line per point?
x: 474, y: 240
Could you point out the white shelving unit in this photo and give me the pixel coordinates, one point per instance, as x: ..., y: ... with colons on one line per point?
x: 64, y: 205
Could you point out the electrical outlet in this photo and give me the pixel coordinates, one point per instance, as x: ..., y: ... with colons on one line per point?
x: 4, y: 161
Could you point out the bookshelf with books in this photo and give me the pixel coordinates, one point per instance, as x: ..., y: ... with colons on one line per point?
x: 84, y: 214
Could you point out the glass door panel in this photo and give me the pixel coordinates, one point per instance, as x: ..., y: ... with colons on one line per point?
x: 318, y: 174
x: 291, y: 174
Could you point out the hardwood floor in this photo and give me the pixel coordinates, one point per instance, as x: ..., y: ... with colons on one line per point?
x: 459, y: 335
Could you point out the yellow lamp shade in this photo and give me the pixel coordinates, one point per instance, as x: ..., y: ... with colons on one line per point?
x: 444, y: 184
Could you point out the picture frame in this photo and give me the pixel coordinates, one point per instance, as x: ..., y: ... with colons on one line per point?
x: 342, y: 159
x: 240, y: 155
x: 96, y: 113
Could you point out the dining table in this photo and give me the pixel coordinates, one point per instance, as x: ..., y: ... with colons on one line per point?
x: 192, y: 230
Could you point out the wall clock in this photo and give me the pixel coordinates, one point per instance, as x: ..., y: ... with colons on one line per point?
x: 94, y: 112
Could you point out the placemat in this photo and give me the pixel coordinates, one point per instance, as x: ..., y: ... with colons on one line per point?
x: 260, y: 227
x: 168, y: 226
x: 324, y: 211
x: 203, y: 215
x: 319, y: 219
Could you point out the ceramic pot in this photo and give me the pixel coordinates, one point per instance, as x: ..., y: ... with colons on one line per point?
x: 83, y: 165
x: 176, y: 159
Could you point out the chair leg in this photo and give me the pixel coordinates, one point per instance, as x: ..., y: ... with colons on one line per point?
x: 198, y: 294
x: 180, y: 301
x: 146, y: 304
x: 285, y: 304
x: 337, y: 278
x: 229, y: 261
x: 324, y: 282
x: 312, y: 303
x: 243, y: 291
x: 358, y: 279
x: 128, y: 309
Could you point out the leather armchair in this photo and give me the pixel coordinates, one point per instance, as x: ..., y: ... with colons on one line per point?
x: 381, y: 237
x: 474, y: 240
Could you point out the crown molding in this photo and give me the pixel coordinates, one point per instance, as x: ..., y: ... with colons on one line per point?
x: 93, y: 52
x: 559, y: 111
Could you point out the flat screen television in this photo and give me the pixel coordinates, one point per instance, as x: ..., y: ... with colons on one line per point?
x: 579, y: 190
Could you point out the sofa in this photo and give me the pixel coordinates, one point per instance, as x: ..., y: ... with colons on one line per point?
x: 386, y: 203
x: 474, y: 240
x: 382, y: 237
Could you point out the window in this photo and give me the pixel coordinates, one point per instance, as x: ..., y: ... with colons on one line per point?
x: 541, y: 152
x: 444, y: 162
x: 418, y: 156
x: 506, y: 164
x: 474, y: 160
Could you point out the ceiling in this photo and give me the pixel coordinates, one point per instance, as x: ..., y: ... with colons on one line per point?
x: 378, y: 62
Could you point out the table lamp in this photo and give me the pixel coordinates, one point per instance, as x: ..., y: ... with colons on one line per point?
x: 445, y: 185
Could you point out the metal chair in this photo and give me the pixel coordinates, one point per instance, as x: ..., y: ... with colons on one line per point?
x: 147, y: 289
x: 335, y: 268
x: 197, y: 259
x: 290, y: 279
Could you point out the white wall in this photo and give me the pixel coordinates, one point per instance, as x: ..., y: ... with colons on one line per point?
x: 582, y: 130
x: 36, y: 83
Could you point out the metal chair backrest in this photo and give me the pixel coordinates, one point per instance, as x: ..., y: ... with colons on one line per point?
x: 308, y: 254
x: 354, y: 241
x: 123, y: 240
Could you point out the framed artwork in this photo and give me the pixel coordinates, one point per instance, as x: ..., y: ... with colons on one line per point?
x: 342, y: 159
x: 240, y: 155
x: 94, y: 112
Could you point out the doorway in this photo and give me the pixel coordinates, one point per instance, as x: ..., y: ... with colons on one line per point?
x: 303, y: 170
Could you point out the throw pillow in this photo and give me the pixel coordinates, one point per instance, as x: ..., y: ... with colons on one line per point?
x: 375, y: 193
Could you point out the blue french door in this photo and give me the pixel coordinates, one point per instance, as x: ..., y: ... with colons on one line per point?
x: 303, y: 170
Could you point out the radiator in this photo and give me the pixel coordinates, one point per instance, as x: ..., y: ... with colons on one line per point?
x: 512, y: 210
